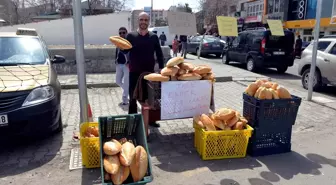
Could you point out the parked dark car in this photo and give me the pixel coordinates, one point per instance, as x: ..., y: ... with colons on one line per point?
x: 259, y: 48
x: 211, y: 45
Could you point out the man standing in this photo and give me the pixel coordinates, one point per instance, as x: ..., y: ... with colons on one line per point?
x: 122, y: 72
x: 184, y: 42
x: 145, y: 44
x: 163, y: 39
x: 298, y: 47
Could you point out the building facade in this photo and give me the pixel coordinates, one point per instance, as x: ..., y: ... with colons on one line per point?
x: 301, y: 18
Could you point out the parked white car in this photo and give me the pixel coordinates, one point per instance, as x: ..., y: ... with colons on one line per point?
x: 325, y: 73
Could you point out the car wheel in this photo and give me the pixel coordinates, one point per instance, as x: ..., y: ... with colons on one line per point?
x: 60, y: 124
x: 317, y: 82
x: 225, y: 59
x: 282, y: 69
x: 251, y: 65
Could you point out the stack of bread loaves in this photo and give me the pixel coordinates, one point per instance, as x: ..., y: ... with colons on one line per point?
x: 263, y: 89
x: 91, y: 132
x: 223, y: 119
x: 177, y: 69
x: 120, y: 42
x: 122, y: 159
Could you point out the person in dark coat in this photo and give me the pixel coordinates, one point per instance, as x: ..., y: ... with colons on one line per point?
x: 298, y: 47
x: 163, y: 38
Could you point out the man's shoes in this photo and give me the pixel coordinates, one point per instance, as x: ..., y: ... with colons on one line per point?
x: 154, y: 124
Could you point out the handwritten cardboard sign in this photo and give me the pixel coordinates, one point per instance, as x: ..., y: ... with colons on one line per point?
x: 181, y: 23
x: 227, y: 26
x: 276, y: 27
x: 184, y: 99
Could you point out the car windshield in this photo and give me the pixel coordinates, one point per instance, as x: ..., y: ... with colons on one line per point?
x: 21, y: 51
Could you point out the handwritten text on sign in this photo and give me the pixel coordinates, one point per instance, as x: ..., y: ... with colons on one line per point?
x: 182, y: 23
x: 184, y: 99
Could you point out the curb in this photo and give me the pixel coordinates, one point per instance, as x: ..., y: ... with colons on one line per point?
x: 107, y: 85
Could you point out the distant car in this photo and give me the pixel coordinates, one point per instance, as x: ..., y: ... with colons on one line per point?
x: 30, y: 94
x: 259, y: 48
x: 325, y: 73
x: 211, y: 45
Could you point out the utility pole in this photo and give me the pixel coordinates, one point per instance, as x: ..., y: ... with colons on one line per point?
x: 80, y: 62
x: 151, y: 13
x: 316, y: 39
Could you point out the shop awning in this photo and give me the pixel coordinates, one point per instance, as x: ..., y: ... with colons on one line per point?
x: 310, y: 23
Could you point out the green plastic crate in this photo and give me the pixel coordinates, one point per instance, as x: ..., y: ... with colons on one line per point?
x: 128, y: 126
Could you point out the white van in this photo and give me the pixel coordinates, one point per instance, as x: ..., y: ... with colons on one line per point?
x: 165, y: 29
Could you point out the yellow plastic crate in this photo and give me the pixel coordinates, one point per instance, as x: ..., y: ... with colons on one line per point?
x: 90, y: 147
x: 221, y: 144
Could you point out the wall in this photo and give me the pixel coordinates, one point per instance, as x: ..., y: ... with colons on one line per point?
x: 96, y: 29
x: 98, y: 59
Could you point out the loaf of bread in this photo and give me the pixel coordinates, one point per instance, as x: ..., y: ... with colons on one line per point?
x: 111, y: 164
x: 121, y: 175
x: 156, y: 77
x: 127, y: 153
x: 186, y: 66
x: 251, y: 89
x: 208, y: 76
x: 274, y: 94
x: 218, y: 123
x: 173, y: 78
x: 120, y: 42
x: 139, y: 164
x: 198, y: 121
x: 112, y: 147
x: 275, y: 86
x: 202, y: 69
x: 181, y: 72
x: 269, y: 95
x: 175, y: 61
x: 169, y: 71
x: 243, y: 120
x: 224, y: 114
x: 238, y: 126
x: 189, y: 77
x: 234, y: 119
x: 262, y: 93
x: 259, y: 82
x: 207, y: 122
x: 283, y: 93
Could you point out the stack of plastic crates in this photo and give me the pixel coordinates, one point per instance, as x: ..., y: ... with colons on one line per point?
x: 222, y: 144
x: 272, y: 121
x: 130, y: 127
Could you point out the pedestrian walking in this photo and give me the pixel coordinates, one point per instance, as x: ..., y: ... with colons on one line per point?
x: 122, y: 71
x: 141, y: 57
x: 298, y: 47
x: 163, y: 38
x: 184, y: 42
x: 175, y: 46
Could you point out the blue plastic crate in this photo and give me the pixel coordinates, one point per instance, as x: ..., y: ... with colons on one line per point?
x: 128, y: 126
x: 273, y: 114
x: 264, y: 142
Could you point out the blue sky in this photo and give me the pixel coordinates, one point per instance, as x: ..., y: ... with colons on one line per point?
x: 164, y: 4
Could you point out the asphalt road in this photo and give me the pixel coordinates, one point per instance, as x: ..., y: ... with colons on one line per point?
x: 290, y: 77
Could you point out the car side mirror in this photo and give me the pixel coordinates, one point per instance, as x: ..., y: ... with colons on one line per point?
x: 58, y: 59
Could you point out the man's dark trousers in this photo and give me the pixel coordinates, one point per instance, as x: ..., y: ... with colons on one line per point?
x: 133, y: 80
x: 162, y: 42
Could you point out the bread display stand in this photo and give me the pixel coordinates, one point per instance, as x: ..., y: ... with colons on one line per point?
x: 152, y: 111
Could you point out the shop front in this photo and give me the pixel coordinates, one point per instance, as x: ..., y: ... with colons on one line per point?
x: 252, y: 22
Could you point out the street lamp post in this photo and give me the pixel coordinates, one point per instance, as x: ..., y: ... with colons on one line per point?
x: 316, y: 38
x: 81, y: 73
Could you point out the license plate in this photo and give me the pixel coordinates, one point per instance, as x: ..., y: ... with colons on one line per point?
x: 3, y: 120
x: 279, y: 53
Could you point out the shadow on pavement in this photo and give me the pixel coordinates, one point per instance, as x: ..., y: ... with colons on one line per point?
x: 227, y: 182
x: 288, y: 165
x: 257, y: 181
x: 176, y: 153
x: 91, y: 176
x: 20, y: 155
x: 321, y: 160
x: 270, y: 176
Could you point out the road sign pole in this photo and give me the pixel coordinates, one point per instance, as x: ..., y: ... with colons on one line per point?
x: 79, y: 45
x: 316, y: 38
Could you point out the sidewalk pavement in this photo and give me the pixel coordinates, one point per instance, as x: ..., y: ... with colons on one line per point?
x: 174, y: 159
